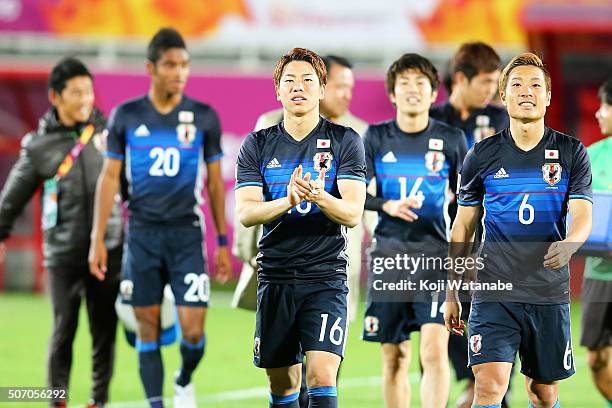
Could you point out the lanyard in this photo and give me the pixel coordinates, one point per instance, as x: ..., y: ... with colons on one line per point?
x: 66, y: 165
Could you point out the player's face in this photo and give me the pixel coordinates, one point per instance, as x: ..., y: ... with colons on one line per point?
x: 412, y: 94
x: 169, y: 74
x: 526, y: 97
x: 604, y: 117
x: 338, y: 91
x: 299, y: 89
x: 76, y: 101
x: 480, y: 90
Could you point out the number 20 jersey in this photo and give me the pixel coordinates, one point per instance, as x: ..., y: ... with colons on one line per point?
x: 164, y: 157
x: 421, y: 165
x: 525, y: 196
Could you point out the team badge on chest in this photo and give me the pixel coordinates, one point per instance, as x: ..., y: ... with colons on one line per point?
x: 186, y: 133
x: 322, y: 161
x: 551, y: 173
x: 434, y: 161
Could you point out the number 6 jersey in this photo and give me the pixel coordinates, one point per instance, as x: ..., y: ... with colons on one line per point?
x: 525, y: 196
x: 164, y: 157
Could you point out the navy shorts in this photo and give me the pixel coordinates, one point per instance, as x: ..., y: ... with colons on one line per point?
x: 293, y: 318
x: 540, y: 333
x: 174, y: 255
x: 392, y: 322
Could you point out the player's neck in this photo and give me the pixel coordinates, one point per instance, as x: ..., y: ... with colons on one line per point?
x: 526, y: 135
x: 412, y: 123
x: 299, y: 127
x: 164, y: 102
x: 458, y: 103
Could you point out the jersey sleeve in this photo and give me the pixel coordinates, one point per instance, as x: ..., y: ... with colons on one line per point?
x: 459, y: 155
x: 248, y: 172
x: 212, y: 137
x: 471, y: 191
x: 580, y: 175
x: 115, y: 136
x: 369, y: 142
x: 352, y: 158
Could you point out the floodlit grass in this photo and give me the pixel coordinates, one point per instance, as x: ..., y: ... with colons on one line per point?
x: 227, y: 377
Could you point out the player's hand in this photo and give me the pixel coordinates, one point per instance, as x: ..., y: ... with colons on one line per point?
x: 312, y: 190
x: 293, y: 195
x: 401, y: 208
x: 452, y: 317
x: 558, y: 255
x: 97, y: 259
x: 223, y: 265
x: 2, y: 252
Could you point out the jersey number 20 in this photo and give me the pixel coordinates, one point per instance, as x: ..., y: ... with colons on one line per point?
x: 166, y: 162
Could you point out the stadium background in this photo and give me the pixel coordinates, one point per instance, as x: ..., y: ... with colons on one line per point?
x: 233, y: 46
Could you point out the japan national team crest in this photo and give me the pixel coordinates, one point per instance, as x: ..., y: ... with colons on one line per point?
x: 371, y: 325
x: 551, y: 173
x: 434, y: 161
x: 186, y: 133
x: 322, y: 161
x: 476, y: 343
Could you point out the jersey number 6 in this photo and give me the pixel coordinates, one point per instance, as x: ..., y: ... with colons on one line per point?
x: 529, y: 209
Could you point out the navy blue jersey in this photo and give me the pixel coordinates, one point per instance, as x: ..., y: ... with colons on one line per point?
x: 490, y: 116
x: 525, y: 197
x: 303, y: 244
x: 421, y: 165
x: 164, y: 158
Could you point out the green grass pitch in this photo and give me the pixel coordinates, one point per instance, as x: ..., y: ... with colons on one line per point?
x: 226, y: 377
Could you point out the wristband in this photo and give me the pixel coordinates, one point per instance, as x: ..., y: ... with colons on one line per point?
x: 222, y: 240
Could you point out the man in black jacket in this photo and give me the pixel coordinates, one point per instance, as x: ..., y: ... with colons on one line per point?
x: 64, y: 157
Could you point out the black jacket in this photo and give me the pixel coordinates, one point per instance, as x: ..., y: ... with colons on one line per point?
x: 42, y: 151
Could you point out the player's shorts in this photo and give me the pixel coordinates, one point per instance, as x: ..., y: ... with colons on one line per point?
x: 596, y: 314
x: 540, y: 333
x: 392, y: 322
x: 293, y: 318
x: 174, y: 255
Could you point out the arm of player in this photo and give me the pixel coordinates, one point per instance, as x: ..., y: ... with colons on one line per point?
x: 394, y: 208
x: 106, y: 189
x: 560, y: 252
x: 216, y: 197
x: 462, y: 237
x: 252, y: 210
x: 346, y: 210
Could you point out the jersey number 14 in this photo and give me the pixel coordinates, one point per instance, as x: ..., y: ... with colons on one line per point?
x: 166, y: 162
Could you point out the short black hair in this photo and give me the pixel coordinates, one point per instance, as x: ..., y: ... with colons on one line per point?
x: 65, y: 70
x: 329, y: 60
x: 474, y: 58
x: 605, y: 92
x: 163, y: 40
x: 412, y: 61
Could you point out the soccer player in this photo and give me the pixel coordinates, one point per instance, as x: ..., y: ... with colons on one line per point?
x: 163, y: 140
x: 526, y: 179
x: 334, y: 107
x: 64, y: 156
x: 412, y: 159
x: 303, y: 179
x: 474, y: 70
x: 596, y: 314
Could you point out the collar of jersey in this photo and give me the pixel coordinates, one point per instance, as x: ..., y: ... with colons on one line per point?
x: 535, y: 149
x: 308, y: 136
